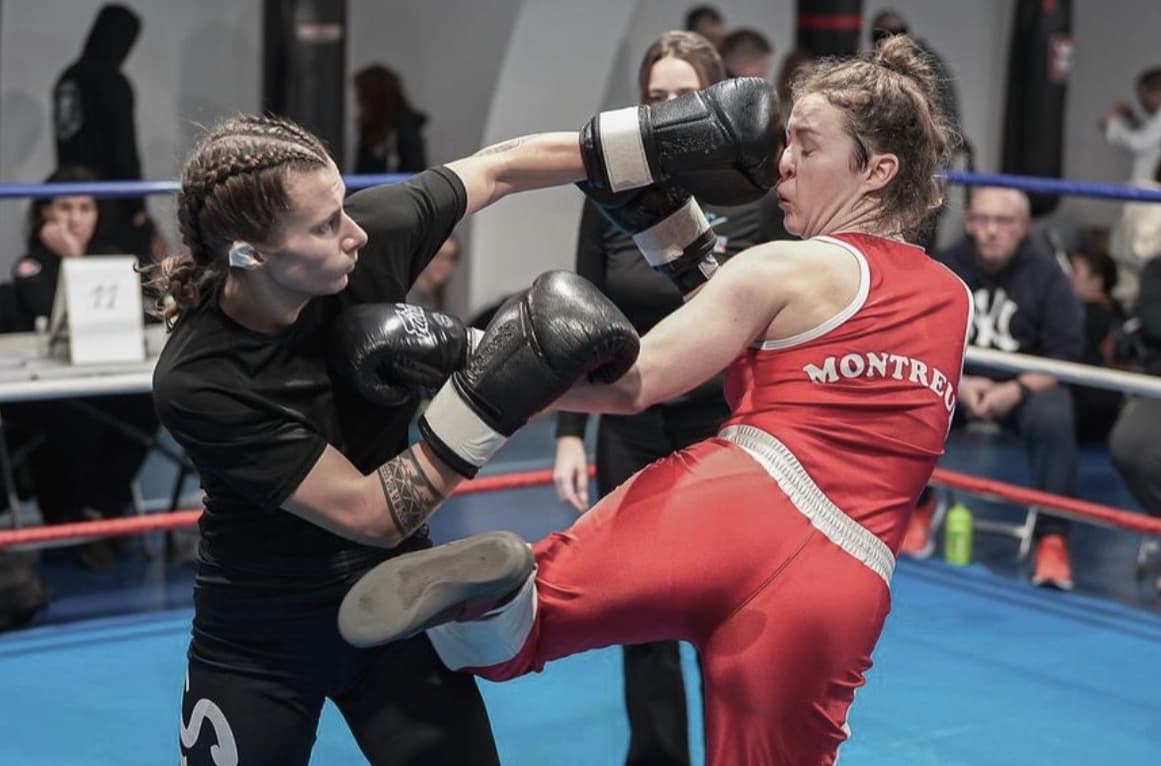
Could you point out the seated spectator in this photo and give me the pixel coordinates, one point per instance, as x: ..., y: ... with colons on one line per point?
x: 84, y: 467
x: 1023, y: 303
x: 429, y: 287
x: 747, y: 53
x: 1094, y: 275
x: 389, y: 129
x: 1135, y: 441
x: 708, y: 22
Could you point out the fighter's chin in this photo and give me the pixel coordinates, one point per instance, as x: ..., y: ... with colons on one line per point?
x: 793, y: 226
x: 337, y: 285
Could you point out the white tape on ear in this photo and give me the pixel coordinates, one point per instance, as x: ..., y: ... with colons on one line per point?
x: 242, y: 256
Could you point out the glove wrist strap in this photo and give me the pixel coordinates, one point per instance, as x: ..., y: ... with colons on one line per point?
x: 623, y: 149
x: 456, y: 432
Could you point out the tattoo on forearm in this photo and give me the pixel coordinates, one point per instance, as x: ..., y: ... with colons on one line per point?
x: 503, y: 146
x: 411, y: 495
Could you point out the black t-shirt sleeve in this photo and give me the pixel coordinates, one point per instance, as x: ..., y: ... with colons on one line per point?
x: 590, y: 264
x: 260, y: 457
x: 405, y: 224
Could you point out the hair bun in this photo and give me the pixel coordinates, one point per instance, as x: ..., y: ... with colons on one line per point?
x: 903, y: 55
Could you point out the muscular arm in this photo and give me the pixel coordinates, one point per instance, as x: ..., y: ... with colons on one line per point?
x: 383, y: 508
x: 776, y: 290
x: 521, y: 164
x: 694, y: 343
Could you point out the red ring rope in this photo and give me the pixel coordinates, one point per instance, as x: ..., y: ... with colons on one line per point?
x: 1083, y: 510
x: 187, y: 518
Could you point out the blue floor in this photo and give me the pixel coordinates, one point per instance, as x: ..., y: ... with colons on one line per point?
x: 975, y: 666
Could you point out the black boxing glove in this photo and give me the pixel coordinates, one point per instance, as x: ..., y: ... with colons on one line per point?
x: 393, y: 352
x: 722, y: 144
x: 536, y: 347
x: 668, y: 227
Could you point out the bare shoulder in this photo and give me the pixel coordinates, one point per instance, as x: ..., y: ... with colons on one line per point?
x: 805, y: 260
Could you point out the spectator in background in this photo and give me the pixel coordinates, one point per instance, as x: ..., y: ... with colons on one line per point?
x: 429, y: 287
x: 747, y: 53
x: 389, y: 129
x: 1094, y: 275
x: 676, y: 63
x: 1135, y: 441
x: 85, y: 465
x: 1136, y: 239
x: 708, y: 22
x: 1023, y: 303
x: 93, y: 116
x: 886, y: 24
x: 1139, y: 136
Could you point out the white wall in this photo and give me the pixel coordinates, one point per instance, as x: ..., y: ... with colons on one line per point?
x: 487, y: 70
x: 194, y: 62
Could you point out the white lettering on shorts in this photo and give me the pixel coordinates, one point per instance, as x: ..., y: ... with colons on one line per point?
x: 225, y: 752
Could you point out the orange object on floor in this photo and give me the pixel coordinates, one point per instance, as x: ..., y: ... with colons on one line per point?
x: 1053, y: 568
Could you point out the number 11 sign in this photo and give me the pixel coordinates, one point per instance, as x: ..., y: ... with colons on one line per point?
x: 100, y: 299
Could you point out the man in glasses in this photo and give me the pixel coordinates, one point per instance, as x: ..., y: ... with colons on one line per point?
x: 1024, y: 302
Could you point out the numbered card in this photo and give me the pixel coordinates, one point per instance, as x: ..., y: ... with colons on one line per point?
x: 98, y: 298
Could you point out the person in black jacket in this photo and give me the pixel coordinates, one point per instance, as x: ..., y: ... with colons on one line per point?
x: 654, y: 688
x: 1135, y: 441
x: 1094, y: 277
x: 1024, y: 302
x: 389, y: 129
x: 93, y: 117
x: 85, y: 465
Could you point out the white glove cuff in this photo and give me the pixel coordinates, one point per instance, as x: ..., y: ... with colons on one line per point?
x: 625, y: 161
x: 666, y: 240
x: 462, y: 431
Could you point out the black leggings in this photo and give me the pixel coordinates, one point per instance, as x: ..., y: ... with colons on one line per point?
x: 261, y: 666
x: 654, y: 687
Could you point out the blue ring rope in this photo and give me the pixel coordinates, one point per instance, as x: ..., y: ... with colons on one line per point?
x: 112, y: 189
x: 115, y: 189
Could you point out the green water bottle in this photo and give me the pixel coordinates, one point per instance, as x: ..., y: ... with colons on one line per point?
x: 957, y: 535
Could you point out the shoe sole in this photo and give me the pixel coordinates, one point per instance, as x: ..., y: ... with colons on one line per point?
x: 408, y: 594
x: 1053, y: 584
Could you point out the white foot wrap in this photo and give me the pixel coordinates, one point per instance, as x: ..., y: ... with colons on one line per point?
x: 624, y: 153
x: 496, y: 637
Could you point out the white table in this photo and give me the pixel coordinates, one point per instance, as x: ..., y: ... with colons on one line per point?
x: 28, y: 374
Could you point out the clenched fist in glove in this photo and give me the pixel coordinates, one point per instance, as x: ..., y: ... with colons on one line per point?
x: 393, y: 352
x: 541, y: 342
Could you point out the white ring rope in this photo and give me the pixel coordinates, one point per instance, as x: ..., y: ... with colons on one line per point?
x: 1069, y: 372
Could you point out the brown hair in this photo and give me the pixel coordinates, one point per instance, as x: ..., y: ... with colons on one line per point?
x: 691, y: 48
x: 889, y: 102
x: 381, y: 102
x: 233, y: 187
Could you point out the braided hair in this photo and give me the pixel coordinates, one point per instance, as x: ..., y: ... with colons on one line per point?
x: 233, y: 187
